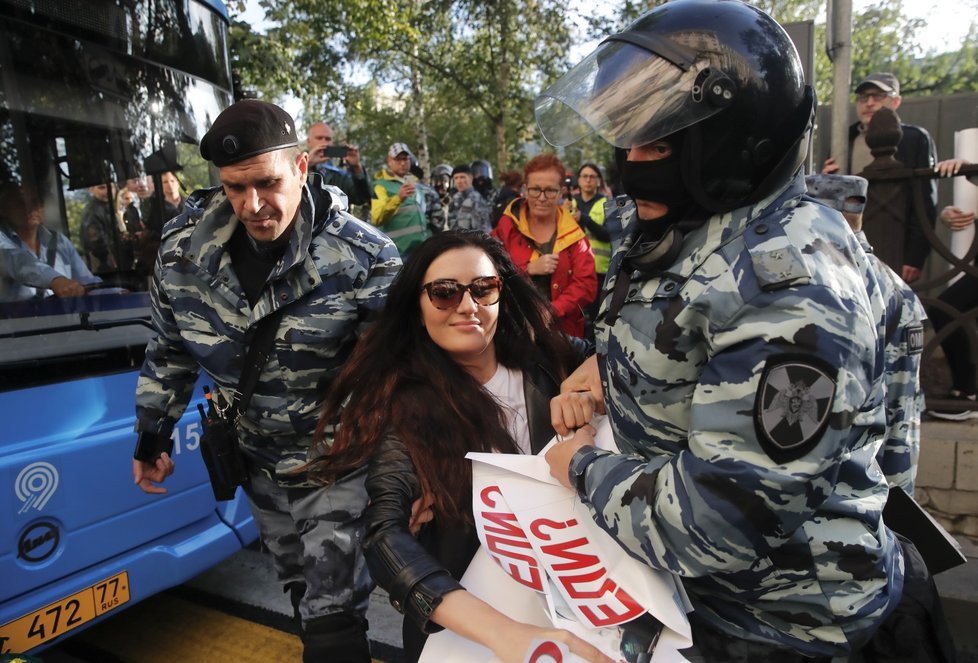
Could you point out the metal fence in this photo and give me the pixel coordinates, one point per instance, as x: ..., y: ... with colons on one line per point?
x: 896, y: 199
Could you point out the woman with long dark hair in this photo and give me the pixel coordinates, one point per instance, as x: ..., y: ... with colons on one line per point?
x: 465, y: 357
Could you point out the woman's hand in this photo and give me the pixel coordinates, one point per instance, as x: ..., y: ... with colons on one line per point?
x: 950, y: 167
x: 514, y: 646
x: 956, y: 218
x: 421, y: 513
x: 580, y: 398
x: 545, y: 264
x: 474, y: 619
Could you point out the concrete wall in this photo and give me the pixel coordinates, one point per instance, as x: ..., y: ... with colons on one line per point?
x: 947, y: 475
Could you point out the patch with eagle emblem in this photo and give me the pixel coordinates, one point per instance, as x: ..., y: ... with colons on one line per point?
x: 792, y: 406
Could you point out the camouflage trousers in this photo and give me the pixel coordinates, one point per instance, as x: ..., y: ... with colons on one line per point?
x: 314, y: 535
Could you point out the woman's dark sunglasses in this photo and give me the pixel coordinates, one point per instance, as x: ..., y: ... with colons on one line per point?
x: 447, y: 294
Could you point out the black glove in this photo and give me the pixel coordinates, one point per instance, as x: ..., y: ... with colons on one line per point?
x: 149, y: 446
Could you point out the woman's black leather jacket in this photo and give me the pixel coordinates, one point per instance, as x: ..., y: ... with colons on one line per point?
x: 418, y: 572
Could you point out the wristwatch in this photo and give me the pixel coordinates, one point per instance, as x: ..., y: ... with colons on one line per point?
x: 578, y: 466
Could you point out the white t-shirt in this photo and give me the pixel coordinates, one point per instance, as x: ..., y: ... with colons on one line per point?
x: 506, y: 386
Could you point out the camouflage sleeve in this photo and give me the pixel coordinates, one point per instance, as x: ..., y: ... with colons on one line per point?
x: 483, y: 213
x: 434, y: 210
x: 737, y: 486
x: 904, y: 396
x: 372, y: 293
x: 167, y: 378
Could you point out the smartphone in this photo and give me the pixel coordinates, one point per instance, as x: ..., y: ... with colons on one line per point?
x: 410, y: 179
x: 335, y: 151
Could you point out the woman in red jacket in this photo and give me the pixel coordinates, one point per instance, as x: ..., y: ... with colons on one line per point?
x: 548, y: 245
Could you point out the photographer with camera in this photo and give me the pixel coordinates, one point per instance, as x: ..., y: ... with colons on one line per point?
x: 265, y: 284
x: 353, y: 180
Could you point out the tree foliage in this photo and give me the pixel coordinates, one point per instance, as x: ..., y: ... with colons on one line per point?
x: 464, y: 64
x: 456, y: 79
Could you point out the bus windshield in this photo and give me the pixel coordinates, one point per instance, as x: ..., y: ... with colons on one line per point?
x: 101, y: 111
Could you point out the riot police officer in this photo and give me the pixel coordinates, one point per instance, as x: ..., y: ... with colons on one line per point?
x: 738, y: 355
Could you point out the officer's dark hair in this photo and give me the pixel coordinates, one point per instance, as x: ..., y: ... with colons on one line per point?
x: 399, y: 382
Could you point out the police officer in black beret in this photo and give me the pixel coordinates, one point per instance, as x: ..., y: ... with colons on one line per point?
x: 272, y: 245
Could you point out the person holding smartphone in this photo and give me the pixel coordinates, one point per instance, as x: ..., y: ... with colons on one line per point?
x: 399, y: 206
x: 352, y: 180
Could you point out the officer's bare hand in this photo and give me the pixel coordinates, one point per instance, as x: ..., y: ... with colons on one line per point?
x: 584, y: 380
x: 830, y: 167
x: 545, y: 264
x: 559, y: 456
x: 571, y: 410
x: 956, y: 218
x: 405, y: 191
x: 146, y: 475
x: 909, y: 273
x: 421, y: 513
x: 65, y: 287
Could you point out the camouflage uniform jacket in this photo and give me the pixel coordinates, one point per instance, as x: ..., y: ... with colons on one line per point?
x: 333, y: 277
x: 469, y: 211
x: 904, y: 396
x: 744, y: 385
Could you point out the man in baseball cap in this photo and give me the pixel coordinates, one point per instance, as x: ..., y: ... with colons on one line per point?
x: 271, y: 249
x: 916, y: 150
x: 883, y: 80
x: 401, y: 206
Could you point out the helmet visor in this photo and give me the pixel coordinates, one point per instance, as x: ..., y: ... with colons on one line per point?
x: 624, y: 93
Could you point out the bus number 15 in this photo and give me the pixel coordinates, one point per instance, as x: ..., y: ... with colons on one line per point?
x: 189, y: 440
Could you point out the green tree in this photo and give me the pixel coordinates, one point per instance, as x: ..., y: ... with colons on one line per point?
x: 444, y: 57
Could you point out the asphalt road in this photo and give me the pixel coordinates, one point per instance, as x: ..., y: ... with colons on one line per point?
x: 236, y: 611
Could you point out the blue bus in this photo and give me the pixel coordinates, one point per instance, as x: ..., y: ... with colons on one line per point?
x: 102, y: 104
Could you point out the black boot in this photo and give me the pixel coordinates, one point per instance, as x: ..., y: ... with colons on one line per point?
x: 339, y: 638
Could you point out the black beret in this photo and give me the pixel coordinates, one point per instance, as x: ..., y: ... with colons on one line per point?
x: 464, y: 168
x: 245, y: 129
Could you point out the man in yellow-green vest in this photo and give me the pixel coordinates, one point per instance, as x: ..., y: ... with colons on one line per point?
x: 590, y: 205
x: 399, y: 205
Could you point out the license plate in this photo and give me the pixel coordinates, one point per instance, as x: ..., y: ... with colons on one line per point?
x: 59, y: 617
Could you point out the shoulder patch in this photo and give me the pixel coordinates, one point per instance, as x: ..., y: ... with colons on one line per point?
x: 915, y: 340
x: 780, y: 268
x: 792, y: 406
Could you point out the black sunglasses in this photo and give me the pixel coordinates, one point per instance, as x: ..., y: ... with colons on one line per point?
x: 446, y: 294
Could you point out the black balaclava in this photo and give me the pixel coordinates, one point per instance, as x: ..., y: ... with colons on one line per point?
x: 659, y: 181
